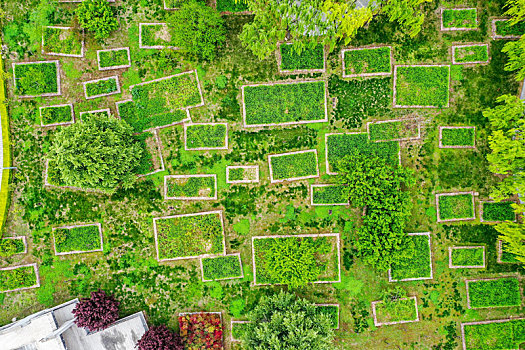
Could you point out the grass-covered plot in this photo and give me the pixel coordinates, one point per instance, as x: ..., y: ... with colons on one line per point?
x: 62, y: 41
x: 457, y: 137
x: 78, y: 239
x: 33, y: 79
x: 238, y: 329
x: 501, y: 29
x: 417, y: 267
x: 497, y: 292
x: 468, y: 257
x: 189, y: 235
x: 496, y: 212
x: 328, y: 194
x: 367, y: 61
x: 114, y: 58
x: 101, y: 87
x: 141, y: 121
x: 494, y: 334
x: 330, y: 310
x: 459, y: 19
x: 86, y: 114
x: 284, y: 103
x: 13, y: 245
x: 504, y: 256
x: 455, y: 206
x: 191, y: 187
x: 421, y: 86
x: 56, y: 115
x: 155, y: 36
x: 402, y: 310
x: 231, y: 6
x: 292, y: 166
x: 310, y: 59
x: 470, y: 54
x: 221, y: 267
x: 151, y: 160
x: 173, y: 4
x: 242, y: 174
x: 16, y: 278
x: 205, y: 136
x: 339, y: 145
x: 394, y: 130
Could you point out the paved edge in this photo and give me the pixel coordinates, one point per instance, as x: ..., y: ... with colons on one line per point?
x: 5, y: 154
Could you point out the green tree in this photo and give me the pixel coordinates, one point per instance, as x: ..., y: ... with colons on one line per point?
x: 101, y: 153
x: 283, y: 322
x: 516, y: 10
x: 514, y: 235
x: 98, y: 17
x: 407, y: 13
x: 515, y: 50
x: 197, y: 29
x: 381, y: 189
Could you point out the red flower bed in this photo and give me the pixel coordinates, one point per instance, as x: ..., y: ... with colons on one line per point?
x: 201, y: 331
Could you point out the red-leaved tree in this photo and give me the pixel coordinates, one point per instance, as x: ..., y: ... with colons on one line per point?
x: 160, y: 338
x: 96, y: 313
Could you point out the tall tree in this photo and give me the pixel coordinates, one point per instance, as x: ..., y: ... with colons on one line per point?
x: 98, y: 17
x: 516, y: 10
x: 96, y: 313
x: 513, y: 234
x: 515, y: 50
x: 407, y: 13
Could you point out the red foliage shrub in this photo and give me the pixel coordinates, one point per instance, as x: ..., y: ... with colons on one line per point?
x: 96, y: 313
x: 201, y: 331
x: 160, y: 338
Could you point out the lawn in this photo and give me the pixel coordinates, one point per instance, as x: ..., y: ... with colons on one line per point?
x: 187, y: 187
x: 459, y: 19
x: 465, y: 54
x: 498, y: 292
x: 113, y: 58
x: 493, y: 212
x: 421, y: 86
x: 467, y: 257
x: 58, y: 114
x: 221, y: 267
x: 328, y: 195
x: 310, y: 58
x: 63, y: 41
x: 496, y: 334
x: 367, y: 61
x: 401, y: 310
x: 394, y: 130
x: 457, y: 137
x: 456, y: 207
x: 37, y: 78
x: 206, y: 136
x: 417, y: 267
x: 293, y: 166
x: 77, y: 239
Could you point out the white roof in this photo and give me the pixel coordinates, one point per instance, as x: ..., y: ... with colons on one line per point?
x: 28, y: 337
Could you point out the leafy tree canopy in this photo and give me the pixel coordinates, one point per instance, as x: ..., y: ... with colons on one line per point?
x: 100, y: 153
x: 98, y: 17
x: 516, y: 49
x: 513, y: 234
x: 160, y: 338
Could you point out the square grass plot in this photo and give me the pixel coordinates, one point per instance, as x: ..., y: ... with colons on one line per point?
x: 35, y: 79
x: 293, y: 166
x: 455, y: 206
x: 459, y: 19
x: 114, y: 58
x: 101, y: 87
x: 310, y: 59
x: 394, y: 130
x: 403, y: 310
x: 221, y: 268
x: 15, y: 278
x: 496, y: 212
x: 62, y: 41
x: 328, y: 194
x: 78, y: 239
x: 494, y: 334
x: 141, y: 121
x: 205, y: 136
x: 189, y: 236
x: 421, y: 86
x: 368, y: 61
x: 457, y: 137
x: 191, y: 187
x: 469, y: 257
x: 231, y: 6
x: 502, y: 29
x: 418, y: 266
x: 56, y: 115
x: 239, y: 174
x: 470, y: 54
x: 497, y: 292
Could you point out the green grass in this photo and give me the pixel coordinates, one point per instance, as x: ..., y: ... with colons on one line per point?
x: 460, y: 18
x: 20, y: 277
x: 36, y: 79
x: 396, y: 311
x: 468, y: 256
x: 458, y: 136
x: 332, y: 311
x: 333, y: 194
x: 101, y: 87
x: 191, y: 187
x: 113, y: 58
x: 501, y: 335
x: 500, y: 292
x: 340, y: 145
x: 393, y: 130
x: 205, y: 136
x: 501, y: 211
x: 417, y: 266
x: 186, y: 236
x: 240, y: 174
x: 156, y: 35
x: 63, y: 41
x: 504, y: 29
x: 56, y: 114
x: 221, y: 267
x: 295, y: 165
x: 147, y: 165
x: 309, y: 58
x: 457, y: 206
x: 141, y: 121
x: 422, y: 86
x: 238, y: 330
x: 368, y: 61
x: 232, y: 5
x: 471, y: 53
x: 81, y: 239
x: 284, y: 103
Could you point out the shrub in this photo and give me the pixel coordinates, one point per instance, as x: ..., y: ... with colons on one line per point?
x: 459, y: 18
x: 201, y: 331
x: 98, y: 17
x: 307, y: 59
x: 96, y: 313
x: 160, y: 338
x: 500, y: 292
x: 221, y: 267
x: 332, y: 311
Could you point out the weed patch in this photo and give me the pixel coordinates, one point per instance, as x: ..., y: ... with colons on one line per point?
x: 421, y: 86
x: 498, y: 292
x: 293, y: 166
x: 221, y: 267
x: 310, y: 59
x: 494, y: 212
x: 77, y: 239
x: 367, y: 61
x: 455, y: 206
x: 417, y: 267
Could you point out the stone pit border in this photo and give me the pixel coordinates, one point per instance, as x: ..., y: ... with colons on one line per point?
x: 273, y: 181
x: 444, y: 29
x: 428, y: 234
x: 186, y: 125
x: 414, y: 120
x: 297, y: 71
x: 306, y: 81
x: 23, y: 239
x: 115, y: 77
x: 313, y: 235
x: 69, y: 227
x: 451, y: 266
x: 312, y: 186
x: 114, y: 67
x: 472, y: 193
x: 394, y: 105
x: 221, y: 279
x: 455, y: 127
x: 221, y: 216
x: 232, y: 322
x: 366, y: 74
x: 228, y: 181
x: 82, y: 50
x: 159, y: 151
x: 499, y: 248
x: 37, y: 275
x: 496, y: 36
x: 378, y: 324
x: 464, y: 341
x: 158, y: 47
x: 454, y: 47
x: 492, y: 279
x: 338, y: 312
x: 57, y: 124
x: 105, y: 110
x: 493, y: 222
x: 47, y: 94
x: 166, y: 177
